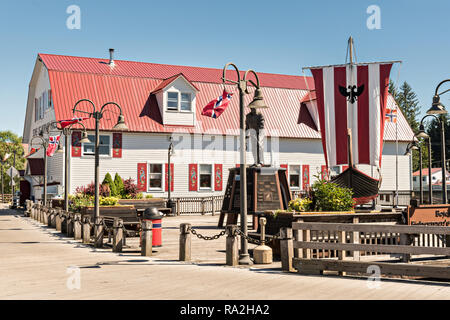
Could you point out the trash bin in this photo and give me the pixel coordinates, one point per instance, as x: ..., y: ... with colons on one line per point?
x: 156, y: 217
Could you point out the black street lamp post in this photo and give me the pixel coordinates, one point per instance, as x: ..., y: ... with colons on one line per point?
x: 170, y: 153
x: 415, y: 146
x: 120, y: 125
x: 43, y: 144
x: 257, y: 102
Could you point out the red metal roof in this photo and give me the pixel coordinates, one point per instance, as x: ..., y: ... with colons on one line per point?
x: 168, y: 81
x: 425, y: 171
x: 130, y: 84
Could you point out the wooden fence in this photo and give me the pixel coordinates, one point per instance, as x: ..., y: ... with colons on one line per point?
x: 198, y: 205
x: 346, y: 247
x: 5, y: 198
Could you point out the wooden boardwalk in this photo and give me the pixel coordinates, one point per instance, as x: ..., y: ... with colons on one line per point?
x: 34, y: 264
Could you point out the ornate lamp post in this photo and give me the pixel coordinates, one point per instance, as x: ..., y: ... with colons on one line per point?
x: 44, y: 144
x: 256, y: 103
x: 423, y: 134
x: 120, y: 125
x: 415, y: 146
x: 170, y: 153
x: 437, y: 108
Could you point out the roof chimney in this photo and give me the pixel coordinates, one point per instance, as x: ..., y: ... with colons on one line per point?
x: 111, y: 57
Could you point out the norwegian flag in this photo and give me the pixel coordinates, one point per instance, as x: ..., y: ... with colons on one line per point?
x: 65, y: 123
x: 53, y: 142
x: 32, y: 151
x: 217, y: 106
x: 391, y: 115
x: 352, y: 97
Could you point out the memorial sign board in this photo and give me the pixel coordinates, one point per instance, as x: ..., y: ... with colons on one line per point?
x: 433, y: 215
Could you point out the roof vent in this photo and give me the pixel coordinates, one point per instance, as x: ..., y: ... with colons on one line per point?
x: 111, y: 57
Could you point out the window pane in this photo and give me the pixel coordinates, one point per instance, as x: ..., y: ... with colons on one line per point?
x: 156, y: 168
x: 205, y: 181
x: 172, y: 100
x: 205, y: 168
x: 294, y: 181
x: 294, y: 169
x: 104, y: 147
x: 186, y: 101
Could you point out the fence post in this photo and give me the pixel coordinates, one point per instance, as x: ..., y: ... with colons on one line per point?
x: 86, y: 230
x: 212, y: 205
x: 117, y: 235
x: 147, y: 238
x: 342, y: 253
x: 98, y: 233
x: 178, y: 206
x: 70, y: 224
x: 63, y: 222
x: 58, y: 220
x: 185, y: 242
x: 232, y: 251
x: 354, y: 238
x: 203, y: 206
x: 286, y: 249
x: 405, y: 240
x: 77, y: 227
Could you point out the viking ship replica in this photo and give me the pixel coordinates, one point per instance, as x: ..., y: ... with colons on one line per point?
x: 351, y: 103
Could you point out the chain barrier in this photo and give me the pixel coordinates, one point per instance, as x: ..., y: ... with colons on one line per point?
x: 256, y: 241
x: 200, y: 236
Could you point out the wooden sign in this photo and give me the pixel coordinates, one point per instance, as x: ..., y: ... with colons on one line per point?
x: 432, y: 215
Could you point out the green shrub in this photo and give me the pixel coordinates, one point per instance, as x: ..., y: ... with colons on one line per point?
x: 108, y: 201
x: 109, y: 181
x: 118, y: 182
x: 301, y: 205
x: 148, y: 196
x: 140, y: 195
x: 330, y: 197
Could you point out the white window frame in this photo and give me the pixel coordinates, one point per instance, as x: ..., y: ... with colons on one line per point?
x: 163, y: 177
x: 211, y: 188
x: 101, y: 155
x: 179, y: 95
x: 178, y: 101
x: 299, y: 176
x: 190, y: 102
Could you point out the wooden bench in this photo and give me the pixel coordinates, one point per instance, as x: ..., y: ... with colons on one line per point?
x: 347, y: 241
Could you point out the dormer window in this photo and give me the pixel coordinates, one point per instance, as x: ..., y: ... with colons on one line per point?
x: 179, y: 101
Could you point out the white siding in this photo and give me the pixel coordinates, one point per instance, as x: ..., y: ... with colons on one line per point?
x: 207, y: 149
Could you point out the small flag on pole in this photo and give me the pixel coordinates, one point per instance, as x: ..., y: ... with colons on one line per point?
x: 391, y: 115
x: 32, y: 151
x: 217, y: 106
x: 53, y: 142
x: 65, y: 123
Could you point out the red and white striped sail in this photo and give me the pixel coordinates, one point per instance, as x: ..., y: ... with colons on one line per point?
x: 364, y: 115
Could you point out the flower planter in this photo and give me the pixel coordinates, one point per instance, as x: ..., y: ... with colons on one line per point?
x: 111, y: 210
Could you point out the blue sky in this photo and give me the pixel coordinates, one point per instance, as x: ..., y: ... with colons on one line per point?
x: 267, y: 36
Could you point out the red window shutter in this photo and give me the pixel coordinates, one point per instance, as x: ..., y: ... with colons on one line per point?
x: 167, y: 177
x: 193, y: 177
x: 117, y: 145
x: 305, y: 175
x: 142, y: 177
x: 76, y: 145
x: 218, y: 178
x: 324, y: 172
x: 238, y: 165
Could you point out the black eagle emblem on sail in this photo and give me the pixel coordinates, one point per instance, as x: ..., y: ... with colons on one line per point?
x: 352, y: 92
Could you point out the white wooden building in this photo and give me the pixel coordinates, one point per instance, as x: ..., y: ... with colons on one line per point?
x: 160, y: 101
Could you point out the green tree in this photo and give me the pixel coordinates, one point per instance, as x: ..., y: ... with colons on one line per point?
x: 407, y: 100
x: 109, y: 181
x: 11, y: 143
x: 434, y: 131
x: 118, y: 181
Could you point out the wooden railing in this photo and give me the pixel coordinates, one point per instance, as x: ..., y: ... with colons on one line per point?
x: 5, y: 198
x: 342, y: 247
x: 198, y: 205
